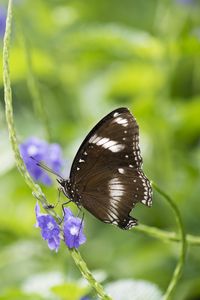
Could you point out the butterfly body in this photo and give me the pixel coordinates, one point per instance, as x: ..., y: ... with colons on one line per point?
x: 106, y: 177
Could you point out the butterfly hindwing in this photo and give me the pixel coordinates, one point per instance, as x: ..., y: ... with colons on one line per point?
x: 115, y: 194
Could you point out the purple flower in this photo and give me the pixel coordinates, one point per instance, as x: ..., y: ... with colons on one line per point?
x: 185, y: 1
x: 73, y: 230
x: 49, y: 228
x: 49, y: 154
x: 2, y: 21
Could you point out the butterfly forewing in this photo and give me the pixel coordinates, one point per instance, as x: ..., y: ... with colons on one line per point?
x: 114, y: 141
x: 106, y: 176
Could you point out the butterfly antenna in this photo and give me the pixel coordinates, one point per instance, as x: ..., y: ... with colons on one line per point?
x: 46, y: 168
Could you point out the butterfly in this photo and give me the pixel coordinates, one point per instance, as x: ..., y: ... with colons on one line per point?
x: 106, y: 176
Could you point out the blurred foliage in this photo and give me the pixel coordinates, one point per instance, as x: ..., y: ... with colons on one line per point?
x: 86, y: 59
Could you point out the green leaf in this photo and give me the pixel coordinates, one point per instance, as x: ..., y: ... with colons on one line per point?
x: 70, y: 291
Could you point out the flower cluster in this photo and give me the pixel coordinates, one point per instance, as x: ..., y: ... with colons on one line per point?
x: 50, y: 230
x: 2, y: 21
x: 49, y: 154
x: 185, y: 1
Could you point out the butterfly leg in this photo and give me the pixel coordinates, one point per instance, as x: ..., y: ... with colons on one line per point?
x: 79, y: 210
x: 63, y: 209
x: 45, y: 206
x: 81, y: 221
x: 49, y: 206
x: 58, y: 200
x: 63, y: 206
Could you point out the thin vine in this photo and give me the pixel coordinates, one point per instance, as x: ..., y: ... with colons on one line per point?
x: 167, y: 236
x: 178, y: 270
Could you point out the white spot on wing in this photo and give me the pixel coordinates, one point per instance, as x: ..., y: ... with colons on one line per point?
x: 98, y: 138
x: 115, y: 114
x: 116, y: 181
x: 121, y: 170
x: 102, y: 141
x: 115, y: 223
x: 109, y: 144
x: 122, y: 121
x: 116, y: 191
x: 106, y: 143
x: 113, y: 146
x: 119, y: 190
x: 117, y: 148
x: 92, y: 138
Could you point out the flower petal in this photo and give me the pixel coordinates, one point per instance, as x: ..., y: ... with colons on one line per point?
x: 54, y: 244
x: 2, y: 21
x: 68, y: 213
x: 73, y: 230
x: 37, y: 209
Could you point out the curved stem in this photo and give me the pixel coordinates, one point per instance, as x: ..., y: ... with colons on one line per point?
x: 8, y: 104
x: 167, y: 235
x: 180, y: 264
x: 88, y: 275
x: 36, y: 190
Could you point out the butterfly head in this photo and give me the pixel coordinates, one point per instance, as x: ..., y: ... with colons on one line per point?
x: 66, y: 188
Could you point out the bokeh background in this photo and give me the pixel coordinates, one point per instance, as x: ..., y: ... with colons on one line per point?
x: 72, y: 62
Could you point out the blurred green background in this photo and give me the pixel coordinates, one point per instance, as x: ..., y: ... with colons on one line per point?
x: 88, y: 58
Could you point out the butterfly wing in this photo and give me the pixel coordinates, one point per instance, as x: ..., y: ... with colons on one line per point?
x: 106, y: 166
x: 111, y: 196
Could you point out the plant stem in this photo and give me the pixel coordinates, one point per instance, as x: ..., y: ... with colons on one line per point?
x: 167, y: 235
x: 88, y: 275
x: 179, y: 267
x: 36, y: 190
x: 8, y: 104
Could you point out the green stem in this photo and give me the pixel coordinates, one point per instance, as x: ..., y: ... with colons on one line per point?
x: 9, y: 112
x: 179, y: 267
x: 167, y: 235
x: 8, y: 102
x: 88, y: 275
x: 36, y: 190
